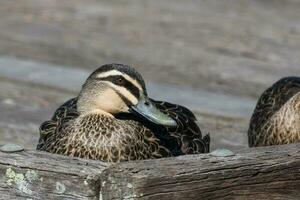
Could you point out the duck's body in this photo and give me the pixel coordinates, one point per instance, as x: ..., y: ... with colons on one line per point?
x: 77, y: 130
x: 276, y: 118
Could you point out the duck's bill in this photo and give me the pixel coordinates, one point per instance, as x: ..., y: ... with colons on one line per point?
x: 148, y: 110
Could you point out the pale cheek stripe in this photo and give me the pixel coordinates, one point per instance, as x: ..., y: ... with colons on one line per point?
x: 125, y: 93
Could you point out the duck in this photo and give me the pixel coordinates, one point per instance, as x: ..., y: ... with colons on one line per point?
x: 113, y: 120
x: 276, y: 117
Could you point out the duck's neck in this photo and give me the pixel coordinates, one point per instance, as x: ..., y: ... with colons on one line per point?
x: 98, y: 112
x: 85, y: 107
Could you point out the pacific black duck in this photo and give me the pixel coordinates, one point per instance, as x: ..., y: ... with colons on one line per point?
x: 114, y: 120
x: 276, y: 118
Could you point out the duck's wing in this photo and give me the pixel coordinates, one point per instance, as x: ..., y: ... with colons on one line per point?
x: 270, y: 102
x: 186, y: 137
x: 280, y: 92
x: 49, y: 130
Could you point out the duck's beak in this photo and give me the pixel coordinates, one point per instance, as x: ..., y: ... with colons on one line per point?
x: 148, y: 110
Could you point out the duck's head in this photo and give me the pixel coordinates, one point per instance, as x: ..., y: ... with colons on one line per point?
x: 118, y: 88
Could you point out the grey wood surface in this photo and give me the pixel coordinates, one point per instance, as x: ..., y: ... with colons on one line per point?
x: 258, y: 173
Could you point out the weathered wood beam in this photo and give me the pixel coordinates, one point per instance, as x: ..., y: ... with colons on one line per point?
x: 257, y: 173
x: 37, y: 175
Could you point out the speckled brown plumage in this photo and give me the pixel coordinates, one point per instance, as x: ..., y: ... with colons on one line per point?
x: 276, y: 118
x: 122, y: 137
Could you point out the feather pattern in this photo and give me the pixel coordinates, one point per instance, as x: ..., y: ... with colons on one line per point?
x: 276, y: 118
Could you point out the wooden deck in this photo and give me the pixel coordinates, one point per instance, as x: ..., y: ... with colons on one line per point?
x: 219, y: 54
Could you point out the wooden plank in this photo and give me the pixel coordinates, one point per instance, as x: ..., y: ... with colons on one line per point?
x: 37, y: 175
x: 259, y: 173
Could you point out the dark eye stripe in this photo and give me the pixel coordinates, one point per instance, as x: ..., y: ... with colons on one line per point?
x: 127, y: 84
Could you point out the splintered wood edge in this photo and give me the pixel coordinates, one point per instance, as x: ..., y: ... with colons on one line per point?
x: 265, y: 172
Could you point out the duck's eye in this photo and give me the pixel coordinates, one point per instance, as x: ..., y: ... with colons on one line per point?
x: 120, y: 81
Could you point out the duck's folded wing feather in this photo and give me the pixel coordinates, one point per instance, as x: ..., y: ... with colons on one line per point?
x: 49, y: 130
x: 187, y: 133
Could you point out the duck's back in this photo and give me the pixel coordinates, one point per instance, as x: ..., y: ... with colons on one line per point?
x: 276, y: 118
